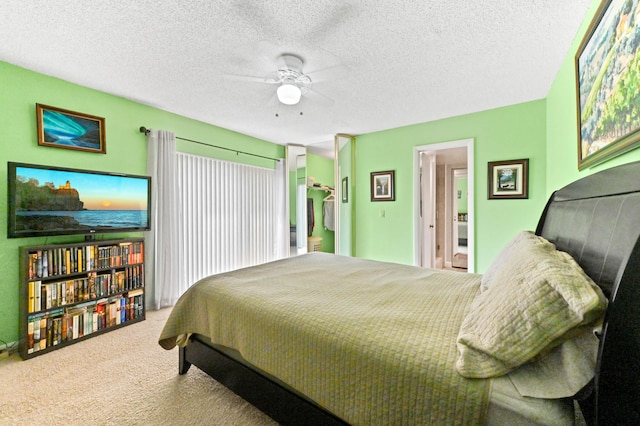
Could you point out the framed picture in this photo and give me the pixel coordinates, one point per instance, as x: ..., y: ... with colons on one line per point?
x: 345, y: 189
x: 607, y: 67
x: 508, y: 179
x: 382, y: 186
x: 61, y: 128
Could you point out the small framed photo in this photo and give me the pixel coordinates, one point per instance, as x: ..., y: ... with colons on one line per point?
x: 61, y: 128
x: 508, y: 179
x: 345, y: 189
x: 382, y: 186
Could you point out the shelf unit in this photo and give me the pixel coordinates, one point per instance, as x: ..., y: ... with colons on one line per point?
x: 71, y: 292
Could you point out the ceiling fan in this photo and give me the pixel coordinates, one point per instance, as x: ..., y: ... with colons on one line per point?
x: 291, y: 80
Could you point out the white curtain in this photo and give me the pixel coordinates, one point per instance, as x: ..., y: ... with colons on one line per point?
x: 209, y: 216
x: 233, y: 215
x: 163, y: 269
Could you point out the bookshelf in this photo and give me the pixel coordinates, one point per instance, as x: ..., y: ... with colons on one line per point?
x: 71, y: 292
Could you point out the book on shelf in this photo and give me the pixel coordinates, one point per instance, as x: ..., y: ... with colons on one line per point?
x: 44, y: 263
x: 73, y: 291
x: 55, y: 326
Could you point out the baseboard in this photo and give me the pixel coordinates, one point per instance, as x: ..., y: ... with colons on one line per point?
x: 10, y: 347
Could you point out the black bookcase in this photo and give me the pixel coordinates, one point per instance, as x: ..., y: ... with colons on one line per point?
x: 71, y: 292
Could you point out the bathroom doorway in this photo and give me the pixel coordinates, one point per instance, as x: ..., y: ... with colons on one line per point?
x: 444, y: 222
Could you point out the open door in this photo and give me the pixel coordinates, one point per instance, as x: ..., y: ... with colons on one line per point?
x: 428, y: 208
x: 459, y: 241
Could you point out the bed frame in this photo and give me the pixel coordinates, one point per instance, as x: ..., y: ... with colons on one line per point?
x: 597, y: 220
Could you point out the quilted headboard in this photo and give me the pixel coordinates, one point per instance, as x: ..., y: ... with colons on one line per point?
x: 597, y: 220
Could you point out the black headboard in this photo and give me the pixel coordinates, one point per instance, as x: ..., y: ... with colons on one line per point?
x: 597, y: 220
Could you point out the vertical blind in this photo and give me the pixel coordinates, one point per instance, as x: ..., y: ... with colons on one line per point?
x: 233, y: 215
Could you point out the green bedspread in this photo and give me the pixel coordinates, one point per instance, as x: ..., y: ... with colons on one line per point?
x: 372, y: 342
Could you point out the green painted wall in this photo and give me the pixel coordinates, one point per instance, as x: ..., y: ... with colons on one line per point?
x: 562, y: 119
x: 508, y: 133
x: 321, y: 169
x: 21, y: 89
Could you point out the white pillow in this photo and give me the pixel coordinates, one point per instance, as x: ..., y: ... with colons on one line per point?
x: 506, y: 254
x: 535, y: 296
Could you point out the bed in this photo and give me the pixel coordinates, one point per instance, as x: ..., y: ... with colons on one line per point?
x: 351, y: 341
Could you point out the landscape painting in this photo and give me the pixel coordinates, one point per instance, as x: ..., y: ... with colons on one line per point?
x: 508, y: 179
x: 55, y: 199
x: 608, y: 78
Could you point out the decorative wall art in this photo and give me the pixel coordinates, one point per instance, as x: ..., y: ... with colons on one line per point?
x: 508, y: 179
x: 62, y: 128
x: 607, y: 81
x: 382, y: 186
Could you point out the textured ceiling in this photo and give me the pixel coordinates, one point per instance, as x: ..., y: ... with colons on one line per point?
x: 400, y: 62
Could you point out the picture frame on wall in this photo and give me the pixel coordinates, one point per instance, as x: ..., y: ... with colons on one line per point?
x: 345, y: 189
x: 607, y: 66
x: 61, y: 128
x: 508, y: 179
x: 383, y: 186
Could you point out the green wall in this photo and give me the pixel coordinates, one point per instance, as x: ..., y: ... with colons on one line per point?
x: 386, y: 229
x: 321, y: 169
x: 21, y: 89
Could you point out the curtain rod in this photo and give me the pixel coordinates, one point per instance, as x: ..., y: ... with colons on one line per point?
x: 146, y: 132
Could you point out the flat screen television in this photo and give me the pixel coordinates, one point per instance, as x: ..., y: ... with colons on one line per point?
x: 48, y: 200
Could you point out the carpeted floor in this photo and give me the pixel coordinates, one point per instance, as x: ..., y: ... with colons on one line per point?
x: 121, y: 377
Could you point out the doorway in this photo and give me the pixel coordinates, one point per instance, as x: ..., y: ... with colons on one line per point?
x: 444, y: 236
x: 459, y: 240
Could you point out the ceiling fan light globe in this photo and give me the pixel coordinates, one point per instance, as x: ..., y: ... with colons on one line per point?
x: 289, y: 94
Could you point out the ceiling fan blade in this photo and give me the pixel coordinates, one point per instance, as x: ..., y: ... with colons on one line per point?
x: 333, y: 72
x: 317, y: 97
x: 332, y: 21
x: 251, y: 78
x: 273, y: 100
x: 273, y: 53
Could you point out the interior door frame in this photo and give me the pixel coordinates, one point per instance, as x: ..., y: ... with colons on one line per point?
x: 462, y: 143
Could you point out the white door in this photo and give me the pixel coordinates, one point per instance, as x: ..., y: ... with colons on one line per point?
x: 428, y: 161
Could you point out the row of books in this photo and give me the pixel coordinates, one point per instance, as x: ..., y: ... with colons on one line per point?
x: 60, y: 325
x: 50, y: 295
x: 68, y: 260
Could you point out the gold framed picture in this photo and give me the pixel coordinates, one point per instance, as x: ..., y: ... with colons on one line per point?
x: 61, y: 128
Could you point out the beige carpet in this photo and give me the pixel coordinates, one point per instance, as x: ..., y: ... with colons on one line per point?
x: 121, y: 377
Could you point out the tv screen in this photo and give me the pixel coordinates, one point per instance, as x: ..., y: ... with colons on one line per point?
x: 47, y: 200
